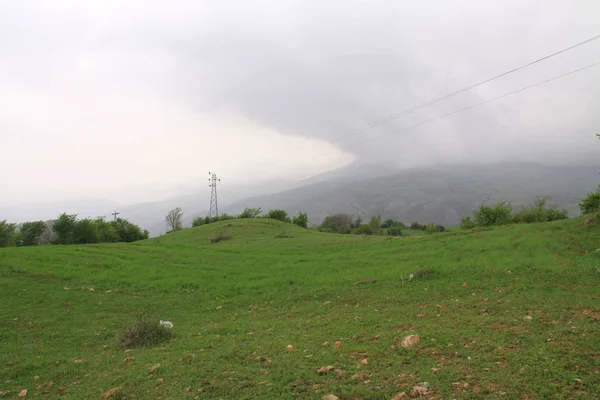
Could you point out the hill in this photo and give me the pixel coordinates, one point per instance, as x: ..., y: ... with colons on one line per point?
x: 506, y: 313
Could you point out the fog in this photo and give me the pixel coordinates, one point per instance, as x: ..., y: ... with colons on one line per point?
x: 132, y: 101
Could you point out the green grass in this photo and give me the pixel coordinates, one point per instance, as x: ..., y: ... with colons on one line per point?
x: 237, y: 304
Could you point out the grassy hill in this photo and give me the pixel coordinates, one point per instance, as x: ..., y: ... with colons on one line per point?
x: 507, y: 313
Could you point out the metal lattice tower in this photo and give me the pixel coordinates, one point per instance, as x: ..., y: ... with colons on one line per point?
x: 214, y: 208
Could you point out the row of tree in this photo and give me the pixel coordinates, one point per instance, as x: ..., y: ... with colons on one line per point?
x: 68, y: 229
x: 174, y: 219
x: 347, y: 224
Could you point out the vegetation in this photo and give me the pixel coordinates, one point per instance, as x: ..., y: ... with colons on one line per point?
x: 146, y: 331
x: 591, y: 202
x: 7, y: 231
x: 493, y: 215
x: 174, y: 219
x: 199, y: 221
x: 301, y: 220
x: 496, y: 311
x: 31, y: 233
x: 250, y: 213
x: 278, y: 215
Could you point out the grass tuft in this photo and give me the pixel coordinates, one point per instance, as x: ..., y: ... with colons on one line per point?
x: 145, y: 332
x: 220, y: 238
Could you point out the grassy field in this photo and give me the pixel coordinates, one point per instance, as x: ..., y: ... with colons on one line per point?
x: 508, y: 313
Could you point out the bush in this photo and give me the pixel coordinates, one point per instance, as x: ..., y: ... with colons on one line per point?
x: 540, y: 212
x: 198, y: 221
x: 144, y: 332
x: 301, y: 220
x: 64, y: 227
x: 250, y: 213
x: 497, y: 214
x: 424, y: 273
x: 365, y: 230
x: 590, y: 203
x: 279, y: 215
x: 7, y: 232
x: 129, y: 232
x: 394, y: 231
x: 220, y: 238
x: 225, y: 217
x: 467, y: 223
x: 417, y: 226
x: 432, y: 228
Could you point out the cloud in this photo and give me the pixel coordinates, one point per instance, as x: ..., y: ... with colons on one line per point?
x: 104, y: 97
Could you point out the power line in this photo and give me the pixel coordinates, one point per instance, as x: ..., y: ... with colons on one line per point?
x: 383, y: 120
x: 476, y: 104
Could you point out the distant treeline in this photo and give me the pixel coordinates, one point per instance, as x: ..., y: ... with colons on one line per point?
x: 67, y: 229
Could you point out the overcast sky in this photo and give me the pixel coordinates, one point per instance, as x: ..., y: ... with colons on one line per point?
x: 126, y: 99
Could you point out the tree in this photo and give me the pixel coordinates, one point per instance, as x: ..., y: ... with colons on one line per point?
x: 129, y: 232
x: 64, y: 227
x: 31, y: 233
x: 539, y: 211
x: 7, y: 232
x: 279, y: 215
x: 338, y: 223
x: 250, y: 212
x: 174, y: 219
x: 301, y: 220
x: 85, y: 231
x: 375, y: 223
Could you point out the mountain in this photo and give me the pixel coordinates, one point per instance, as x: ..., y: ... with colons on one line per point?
x: 441, y: 195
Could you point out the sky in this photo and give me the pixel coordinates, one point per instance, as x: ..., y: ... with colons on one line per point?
x: 134, y: 100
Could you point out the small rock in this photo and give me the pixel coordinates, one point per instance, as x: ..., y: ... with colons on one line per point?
x: 401, y: 395
x: 326, y: 344
x: 160, y: 381
x: 464, y: 284
x: 418, y: 391
x: 111, y: 393
x: 528, y: 318
x: 200, y: 390
x: 36, y: 378
x: 189, y: 389
x: 330, y: 397
x: 326, y: 303
x: 154, y: 368
x: 220, y: 308
x: 338, y: 345
x: 290, y: 347
x: 91, y: 289
x: 108, y: 291
x: 23, y: 393
x: 411, y: 341
x: 323, y: 370
x: 49, y: 384
x: 128, y: 360
x: 364, y: 362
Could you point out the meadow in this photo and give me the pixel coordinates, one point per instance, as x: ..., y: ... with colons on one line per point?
x: 511, y: 312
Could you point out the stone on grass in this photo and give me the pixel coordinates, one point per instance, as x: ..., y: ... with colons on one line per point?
x: 111, y: 393
x: 330, y: 397
x: 410, y: 341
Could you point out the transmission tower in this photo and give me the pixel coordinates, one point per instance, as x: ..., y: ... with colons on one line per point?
x: 214, y: 208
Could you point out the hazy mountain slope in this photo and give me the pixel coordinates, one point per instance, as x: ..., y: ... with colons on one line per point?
x: 434, y: 195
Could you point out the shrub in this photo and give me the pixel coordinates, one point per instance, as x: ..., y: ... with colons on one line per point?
x: 590, y: 203
x: 7, y: 232
x: 129, y: 232
x: 424, y: 273
x: 250, y: 213
x: 279, y: 215
x: 497, y: 214
x: 144, y: 332
x: 31, y: 232
x: 301, y: 220
x: 394, y: 231
x: 375, y: 224
x: 198, y: 221
x: 417, y: 226
x: 365, y: 230
x: 467, y: 223
x: 540, y: 212
x: 432, y: 228
x: 225, y: 217
x: 220, y: 238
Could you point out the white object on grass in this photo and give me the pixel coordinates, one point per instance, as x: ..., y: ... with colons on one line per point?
x: 168, y: 324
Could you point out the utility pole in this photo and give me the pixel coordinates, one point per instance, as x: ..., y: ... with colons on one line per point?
x: 115, y: 214
x: 214, y: 208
